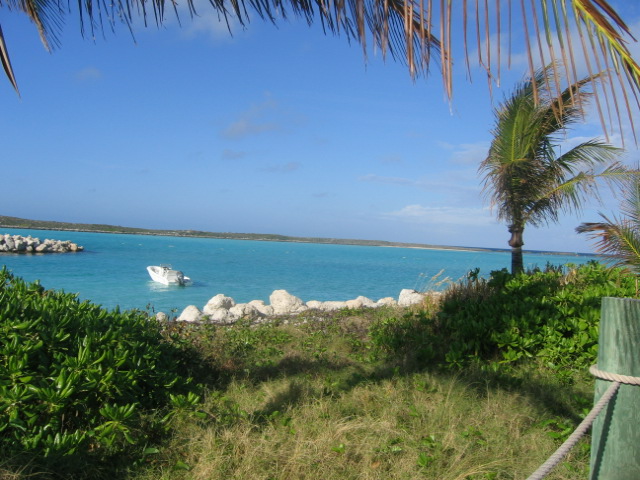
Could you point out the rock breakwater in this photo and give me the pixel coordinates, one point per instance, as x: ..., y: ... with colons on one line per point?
x: 224, y: 310
x: 29, y: 244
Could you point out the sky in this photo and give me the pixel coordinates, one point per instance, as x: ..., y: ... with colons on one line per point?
x: 274, y: 129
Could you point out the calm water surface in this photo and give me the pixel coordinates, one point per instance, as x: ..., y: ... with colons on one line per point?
x: 112, y: 269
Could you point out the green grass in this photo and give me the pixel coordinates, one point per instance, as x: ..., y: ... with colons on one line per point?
x: 318, y: 400
x: 419, y: 425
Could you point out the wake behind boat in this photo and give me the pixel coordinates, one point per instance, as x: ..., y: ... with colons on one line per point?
x: 166, y: 275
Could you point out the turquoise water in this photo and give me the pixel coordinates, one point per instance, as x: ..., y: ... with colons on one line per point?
x: 112, y: 269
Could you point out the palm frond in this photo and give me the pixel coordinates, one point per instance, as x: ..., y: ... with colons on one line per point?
x: 6, y: 63
x: 630, y: 204
x: 618, y: 238
x: 590, y: 154
x: 568, y: 195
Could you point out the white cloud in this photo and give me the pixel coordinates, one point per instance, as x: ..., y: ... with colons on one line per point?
x: 445, y: 215
x: 455, y: 183
x: 206, y: 21
x: 391, y: 159
x: 470, y: 153
x: 283, y: 168
x: 228, y: 154
x: 405, y: 182
x: 89, y: 74
x: 267, y: 115
x: 211, y: 23
x: 245, y: 127
x: 254, y: 120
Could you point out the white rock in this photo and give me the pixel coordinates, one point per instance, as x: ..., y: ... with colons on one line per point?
x: 410, y: 297
x: 284, y: 303
x: 245, y: 310
x: 263, y: 309
x: 218, y: 302
x: 387, y: 301
x: 18, y: 243
x: 315, y: 304
x: 222, y: 316
x: 161, y: 317
x: 360, y: 302
x: 333, y: 305
x: 190, y: 314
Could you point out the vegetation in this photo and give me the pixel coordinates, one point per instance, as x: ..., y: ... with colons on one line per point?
x: 483, y: 384
x: 524, y: 176
x: 78, y: 384
x: 620, y: 237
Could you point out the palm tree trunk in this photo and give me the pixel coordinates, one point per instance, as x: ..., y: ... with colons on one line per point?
x: 516, y: 242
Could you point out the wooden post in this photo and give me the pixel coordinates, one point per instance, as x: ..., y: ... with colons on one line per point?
x: 615, y: 442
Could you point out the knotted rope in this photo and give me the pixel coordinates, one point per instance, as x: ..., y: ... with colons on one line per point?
x: 569, y: 443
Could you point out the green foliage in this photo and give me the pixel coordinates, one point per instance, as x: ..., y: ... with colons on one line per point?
x: 240, y: 348
x: 76, y: 379
x: 549, y: 315
x: 620, y: 237
x: 409, y: 336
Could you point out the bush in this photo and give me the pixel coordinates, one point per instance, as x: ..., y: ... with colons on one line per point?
x: 76, y: 379
x: 552, y: 315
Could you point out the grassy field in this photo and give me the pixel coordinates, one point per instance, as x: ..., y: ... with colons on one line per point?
x: 483, y: 385
x: 316, y: 401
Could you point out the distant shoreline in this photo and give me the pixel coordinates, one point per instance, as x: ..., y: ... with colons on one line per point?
x: 15, y: 222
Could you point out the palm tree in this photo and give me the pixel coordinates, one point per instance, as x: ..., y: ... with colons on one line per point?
x: 525, y: 178
x: 620, y: 237
x: 405, y: 29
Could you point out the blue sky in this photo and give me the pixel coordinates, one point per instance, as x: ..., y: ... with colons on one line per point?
x: 272, y: 130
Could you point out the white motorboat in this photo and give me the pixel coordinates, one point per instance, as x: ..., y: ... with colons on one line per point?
x: 166, y: 275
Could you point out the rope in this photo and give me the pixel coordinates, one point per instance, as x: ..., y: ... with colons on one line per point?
x: 563, y: 450
x: 613, y: 377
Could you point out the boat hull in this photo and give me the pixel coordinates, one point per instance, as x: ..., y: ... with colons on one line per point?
x: 166, y: 276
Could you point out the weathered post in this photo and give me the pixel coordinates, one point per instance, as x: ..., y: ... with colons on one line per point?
x: 615, y: 443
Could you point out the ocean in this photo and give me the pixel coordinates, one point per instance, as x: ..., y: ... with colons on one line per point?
x: 111, y: 271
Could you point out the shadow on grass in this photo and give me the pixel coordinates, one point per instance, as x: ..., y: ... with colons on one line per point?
x: 359, y: 364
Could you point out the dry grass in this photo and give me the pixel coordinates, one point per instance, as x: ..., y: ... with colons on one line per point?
x: 420, y: 425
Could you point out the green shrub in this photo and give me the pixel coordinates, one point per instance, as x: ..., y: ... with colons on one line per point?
x: 76, y: 379
x: 552, y: 315
x: 409, y: 337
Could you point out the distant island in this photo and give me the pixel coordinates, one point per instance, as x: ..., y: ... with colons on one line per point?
x: 15, y: 222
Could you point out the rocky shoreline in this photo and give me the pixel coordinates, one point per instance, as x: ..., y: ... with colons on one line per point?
x: 223, y: 310
x: 19, y: 244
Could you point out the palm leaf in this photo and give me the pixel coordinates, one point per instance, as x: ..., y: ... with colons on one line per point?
x: 6, y: 63
x: 568, y: 195
x: 618, y: 238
